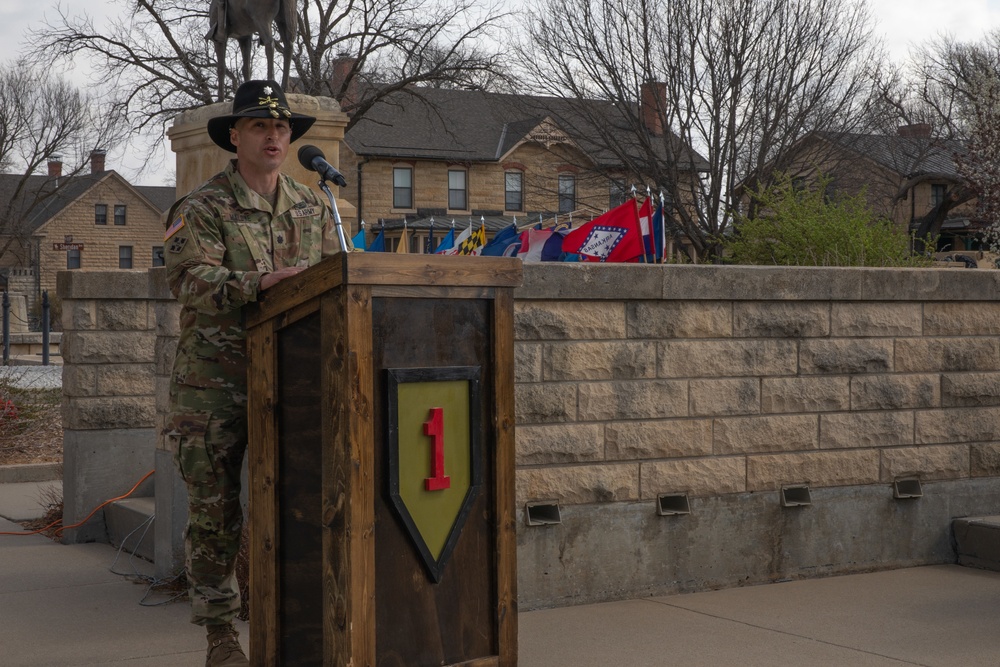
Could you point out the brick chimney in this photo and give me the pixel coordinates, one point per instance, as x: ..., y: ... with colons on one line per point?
x: 342, y: 66
x: 915, y: 131
x: 55, y: 166
x: 652, y: 106
x: 97, y: 161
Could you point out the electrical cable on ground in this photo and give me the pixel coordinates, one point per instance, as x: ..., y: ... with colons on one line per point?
x: 135, y: 575
x: 87, y: 518
x: 152, y: 582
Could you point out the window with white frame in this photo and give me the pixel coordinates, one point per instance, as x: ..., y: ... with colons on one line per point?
x: 567, y: 193
x: 458, y: 197
x: 513, y: 185
x: 402, y: 187
x: 616, y: 194
x: 937, y: 193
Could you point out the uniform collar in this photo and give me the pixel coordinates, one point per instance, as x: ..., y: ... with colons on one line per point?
x: 247, y: 198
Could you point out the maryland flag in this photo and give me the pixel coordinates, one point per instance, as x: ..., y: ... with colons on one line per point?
x: 473, y: 245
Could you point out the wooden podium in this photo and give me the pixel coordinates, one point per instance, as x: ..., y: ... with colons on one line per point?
x: 381, y: 458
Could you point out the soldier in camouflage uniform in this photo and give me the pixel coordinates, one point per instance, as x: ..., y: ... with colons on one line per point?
x: 242, y: 231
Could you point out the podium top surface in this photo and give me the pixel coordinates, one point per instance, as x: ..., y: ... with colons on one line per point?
x: 384, y: 269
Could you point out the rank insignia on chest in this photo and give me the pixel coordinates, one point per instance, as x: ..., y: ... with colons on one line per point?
x: 177, y: 244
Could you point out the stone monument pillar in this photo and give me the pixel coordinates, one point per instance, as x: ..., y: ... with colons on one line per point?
x: 198, y: 158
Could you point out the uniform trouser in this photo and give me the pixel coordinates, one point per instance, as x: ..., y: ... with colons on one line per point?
x: 211, y: 432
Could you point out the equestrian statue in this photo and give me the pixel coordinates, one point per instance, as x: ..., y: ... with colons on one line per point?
x: 240, y: 20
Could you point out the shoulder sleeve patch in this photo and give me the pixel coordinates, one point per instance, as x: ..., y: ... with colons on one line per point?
x: 175, y: 227
x: 177, y: 244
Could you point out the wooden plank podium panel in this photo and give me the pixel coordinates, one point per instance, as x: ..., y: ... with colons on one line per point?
x: 352, y: 560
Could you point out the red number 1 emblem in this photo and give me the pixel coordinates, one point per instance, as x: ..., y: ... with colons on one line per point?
x: 434, y: 427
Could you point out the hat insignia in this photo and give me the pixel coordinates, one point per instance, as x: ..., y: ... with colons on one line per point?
x: 268, y: 90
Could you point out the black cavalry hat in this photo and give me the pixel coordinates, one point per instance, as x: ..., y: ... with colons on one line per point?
x: 257, y: 99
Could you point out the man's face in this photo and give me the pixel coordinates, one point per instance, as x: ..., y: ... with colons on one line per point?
x: 261, y: 143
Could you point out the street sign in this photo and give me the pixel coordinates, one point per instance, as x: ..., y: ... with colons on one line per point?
x: 67, y: 246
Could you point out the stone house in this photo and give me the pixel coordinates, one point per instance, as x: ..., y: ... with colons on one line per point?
x: 93, y: 221
x: 906, y: 176
x: 461, y: 155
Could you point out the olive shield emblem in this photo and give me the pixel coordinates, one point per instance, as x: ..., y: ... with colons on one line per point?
x: 434, y: 455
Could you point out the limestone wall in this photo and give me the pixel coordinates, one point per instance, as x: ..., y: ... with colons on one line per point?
x: 727, y: 383
x: 109, y: 413
x: 724, y: 383
x: 706, y: 381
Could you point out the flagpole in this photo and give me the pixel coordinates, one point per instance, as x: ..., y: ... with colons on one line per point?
x: 652, y: 241
x: 663, y: 228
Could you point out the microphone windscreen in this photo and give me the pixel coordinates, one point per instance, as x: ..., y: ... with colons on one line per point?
x: 307, y: 154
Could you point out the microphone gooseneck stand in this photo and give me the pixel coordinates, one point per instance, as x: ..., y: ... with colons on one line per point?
x: 336, y: 214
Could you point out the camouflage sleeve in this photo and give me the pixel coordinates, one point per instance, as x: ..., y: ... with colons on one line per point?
x: 195, y: 248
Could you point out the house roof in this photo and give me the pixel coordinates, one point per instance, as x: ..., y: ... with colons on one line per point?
x: 476, y: 126
x: 160, y: 196
x: 909, y: 156
x: 43, y: 197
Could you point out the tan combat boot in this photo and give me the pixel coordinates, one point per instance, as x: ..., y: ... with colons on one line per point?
x: 224, y: 647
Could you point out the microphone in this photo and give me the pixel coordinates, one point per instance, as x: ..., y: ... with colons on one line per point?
x: 312, y: 158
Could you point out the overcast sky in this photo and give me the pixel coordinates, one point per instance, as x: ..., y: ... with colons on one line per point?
x: 903, y: 22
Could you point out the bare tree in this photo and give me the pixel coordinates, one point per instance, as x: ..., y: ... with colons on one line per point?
x: 42, y: 118
x: 954, y: 87
x: 742, y: 81
x: 155, y: 62
x: 399, y: 43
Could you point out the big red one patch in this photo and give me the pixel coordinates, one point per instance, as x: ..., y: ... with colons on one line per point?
x: 434, y: 455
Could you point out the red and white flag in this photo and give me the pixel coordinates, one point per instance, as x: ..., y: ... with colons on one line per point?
x: 612, y: 237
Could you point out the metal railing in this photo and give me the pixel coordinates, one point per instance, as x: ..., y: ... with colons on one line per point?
x: 45, y: 328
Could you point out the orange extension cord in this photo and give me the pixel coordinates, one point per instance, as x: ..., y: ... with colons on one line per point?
x: 92, y: 513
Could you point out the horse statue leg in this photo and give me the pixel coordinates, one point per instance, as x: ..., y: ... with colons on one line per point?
x: 245, y: 50
x: 220, y: 67
x: 217, y: 33
x: 269, y: 52
x: 288, y: 29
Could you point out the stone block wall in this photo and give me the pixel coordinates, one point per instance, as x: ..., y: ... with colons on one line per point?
x: 632, y: 381
x: 108, y: 411
x: 728, y: 383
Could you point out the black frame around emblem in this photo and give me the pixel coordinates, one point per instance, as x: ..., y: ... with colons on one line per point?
x: 395, y: 377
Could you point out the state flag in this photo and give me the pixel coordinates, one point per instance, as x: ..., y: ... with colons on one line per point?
x: 506, y: 243
x: 612, y: 237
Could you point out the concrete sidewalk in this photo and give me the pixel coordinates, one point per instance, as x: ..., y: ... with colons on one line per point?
x: 63, y: 605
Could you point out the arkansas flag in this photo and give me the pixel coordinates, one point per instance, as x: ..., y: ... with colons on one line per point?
x: 612, y: 237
